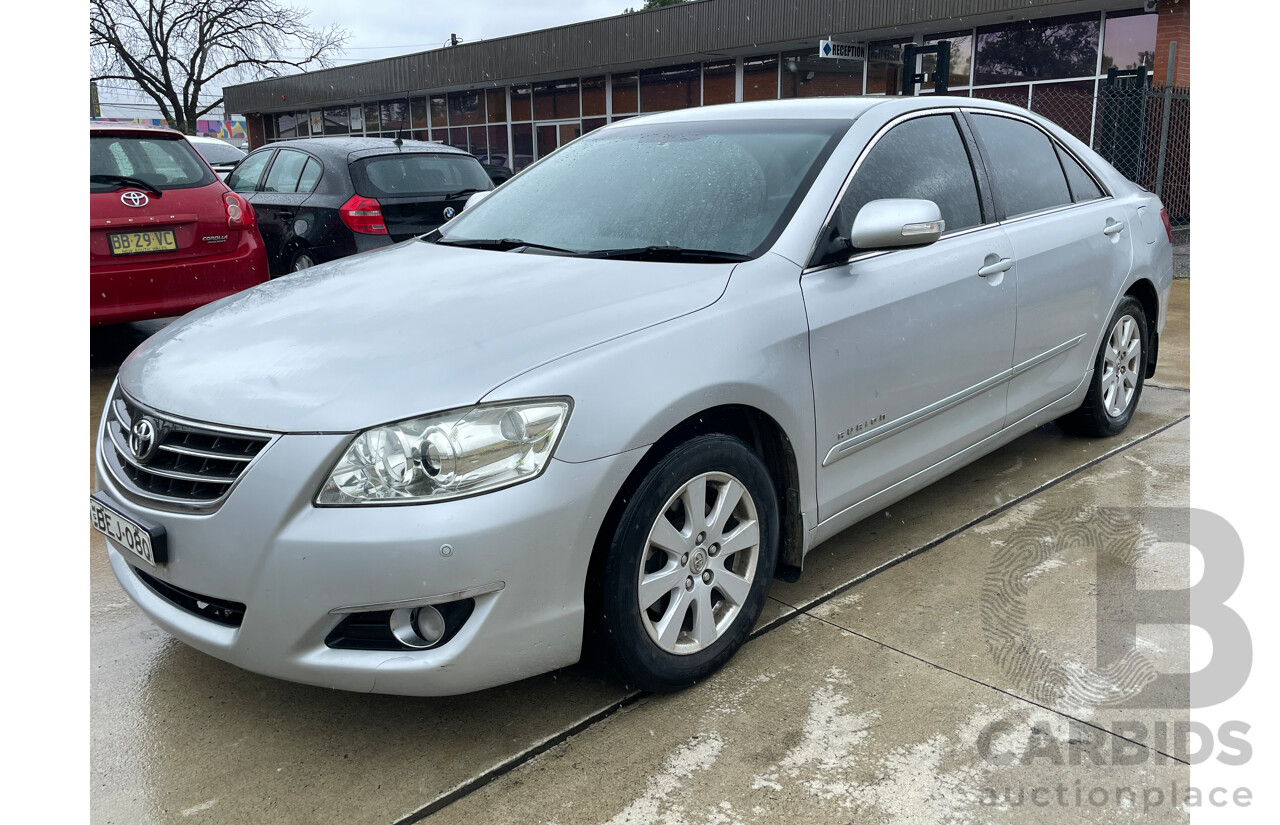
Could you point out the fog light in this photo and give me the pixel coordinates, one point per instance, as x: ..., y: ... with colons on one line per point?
x: 418, y: 627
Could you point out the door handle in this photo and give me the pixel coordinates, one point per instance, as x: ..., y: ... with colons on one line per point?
x: 1002, y: 265
x: 1113, y: 227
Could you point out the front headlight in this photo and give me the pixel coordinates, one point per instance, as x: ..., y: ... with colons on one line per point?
x: 448, y: 455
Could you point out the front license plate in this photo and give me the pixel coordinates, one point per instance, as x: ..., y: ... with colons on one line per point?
x: 146, y: 541
x: 133, y: 243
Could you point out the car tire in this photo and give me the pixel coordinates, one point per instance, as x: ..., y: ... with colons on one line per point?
x: 1118, y: 375
x: 302, y: 259
x: 704, y: 579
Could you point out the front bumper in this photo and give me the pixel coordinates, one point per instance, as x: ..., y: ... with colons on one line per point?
x: 291, y: 563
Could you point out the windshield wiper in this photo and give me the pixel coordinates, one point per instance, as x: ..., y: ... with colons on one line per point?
x: 462, y: 192
x: 667, y: 253
x: 125, y: 180
x: 501, y: 244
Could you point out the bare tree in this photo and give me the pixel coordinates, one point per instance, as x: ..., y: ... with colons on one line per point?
x: 173, y: 50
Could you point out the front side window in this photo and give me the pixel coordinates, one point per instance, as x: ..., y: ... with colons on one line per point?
x: 285, y: 172
x: 244, y: 178
x: 1024, y: 164
x: 924, y: 158
x: 726, y: 186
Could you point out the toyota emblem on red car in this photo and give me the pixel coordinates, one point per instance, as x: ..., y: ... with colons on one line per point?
x: 134, y: 199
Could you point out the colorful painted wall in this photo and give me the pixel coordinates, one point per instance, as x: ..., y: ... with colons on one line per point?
x: 225, y: 129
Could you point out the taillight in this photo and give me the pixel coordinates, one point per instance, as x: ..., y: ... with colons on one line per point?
x: 363, y: 215
x: 1168, y: 227
x: 239, y: 213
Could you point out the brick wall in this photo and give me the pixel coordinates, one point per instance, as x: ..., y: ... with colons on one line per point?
x: 1174, y: 26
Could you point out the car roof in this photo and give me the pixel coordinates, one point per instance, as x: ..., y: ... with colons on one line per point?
x: 352, y: 147
x: 134, y: 128
x: 817, y: 108
x: 208, y: 139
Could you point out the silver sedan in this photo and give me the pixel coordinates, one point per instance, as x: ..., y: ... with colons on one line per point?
x: 608, y: 404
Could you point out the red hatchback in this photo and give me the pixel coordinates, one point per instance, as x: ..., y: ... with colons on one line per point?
x: 165, y: 234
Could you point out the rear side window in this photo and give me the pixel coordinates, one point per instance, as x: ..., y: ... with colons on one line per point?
x: 1024, y: 164
x: 923, y: 158
x: 420, y: 173
x: 1083, y: 186
x: 310, y: 175
x: 244, y: 178
x: 285, y: 172
x: 165, y: 163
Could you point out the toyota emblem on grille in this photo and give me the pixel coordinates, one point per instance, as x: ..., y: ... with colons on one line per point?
x: 134, y: 199
x: 142, y: 439
x: 449, y: 212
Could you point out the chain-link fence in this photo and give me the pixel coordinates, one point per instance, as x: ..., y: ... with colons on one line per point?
x: 1143, y: 131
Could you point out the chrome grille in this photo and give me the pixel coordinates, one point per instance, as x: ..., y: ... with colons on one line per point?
x: 182, y: 465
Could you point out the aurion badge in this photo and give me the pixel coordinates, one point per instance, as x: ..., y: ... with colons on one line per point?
x: 142, y: 439
x: 134, y: 199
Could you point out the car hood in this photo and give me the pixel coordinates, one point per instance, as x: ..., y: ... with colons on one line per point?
x: 399, y: 332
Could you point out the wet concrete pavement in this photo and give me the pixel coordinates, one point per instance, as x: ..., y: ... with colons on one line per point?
x: 864, y: 696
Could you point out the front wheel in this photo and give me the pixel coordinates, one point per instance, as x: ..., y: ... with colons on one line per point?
x: 690, y: 564
x: 1118, y: 372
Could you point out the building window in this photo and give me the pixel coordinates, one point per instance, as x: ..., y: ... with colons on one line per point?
x: 760, y: 77
x: 626, y: 93
x: 439, y: 112
x: 357, y: 119
x: 521, y: 145
x: 466, y: 109
x: 371, y: 119
x: 556, y: 100
x: 496, y: 103
x: 961, y: 57
x: 593, y: 96
x: 498, y: 152
x: 337, y: 120
x: 884, y: 67
x: 804, y: 74
x: 718, y: 82
x: 1058, y: 47
x: 671, y: 87
x: 395, y: 115
x: 286, y: 125
x: 418, y: 113
x: 522, y: 104
x: 1129, y: 41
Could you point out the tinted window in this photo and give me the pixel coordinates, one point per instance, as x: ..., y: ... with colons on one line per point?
x: 246, y: 175
x: 403, y: 175
x: 285, y: 172
x: 1024, y: 164
x: 310, y: 176
x: 1083, y: 187
x: 923, y: 158
x: 166, y: 163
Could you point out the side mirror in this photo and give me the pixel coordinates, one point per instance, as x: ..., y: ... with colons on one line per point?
x: 476, y: 197
x: 895, y: 222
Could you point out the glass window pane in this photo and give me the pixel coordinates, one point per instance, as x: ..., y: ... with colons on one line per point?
x: 625, y: 93
x: 522, y: 146
x: 555, y: 100
x: 806, y: 75
x: 923, y: 158
x: 337, y: 121
x: 310, y: 175
x: 357, y: 119
x: 498, y: 152
x: 760, y: 77
x: 1083, y: 187
x: 269, y: 127
x: 466, y: 109
x: 961, y: 57
x: 884, y: 67
x: 418, y: 117
x: 439, y: 112
x: 285, y: 172
x: 593, y: 102
x: 286, y: 125
x: 671, y: 87
x: 496, y: 101
x: 718, y: 80
x: 592, y: 123
x: 395, y: 115
x: 1070, y: 105
x: 521, y: 102
x: 244, y: 178
x: 457, y: 138
x: 317, y: 122
x: 1129, y: 41
x: 1058, y: 47
x: 547, y: 142
x: 1024, y: 164
x: 371, y: 118
x: 479, y: 137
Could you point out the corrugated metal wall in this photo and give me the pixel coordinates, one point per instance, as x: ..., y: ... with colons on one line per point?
x: 672, y: 33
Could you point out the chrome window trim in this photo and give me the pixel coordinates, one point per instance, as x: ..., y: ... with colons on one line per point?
x: 1102, y: 185
x: 849, y: 446
x: 857, y: 164
x: 109, y: 448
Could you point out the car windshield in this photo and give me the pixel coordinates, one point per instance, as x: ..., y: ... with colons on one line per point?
x: 419, y: 173
x: 159, y: 162
x: 725, y: 186
x: 219, y: 152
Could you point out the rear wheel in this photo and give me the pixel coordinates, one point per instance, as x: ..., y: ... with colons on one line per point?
x: 302, y: 260
x: 690, y: 564
x: 1118, y: 372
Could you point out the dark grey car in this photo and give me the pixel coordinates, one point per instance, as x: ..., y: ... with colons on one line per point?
x: 321, y: 199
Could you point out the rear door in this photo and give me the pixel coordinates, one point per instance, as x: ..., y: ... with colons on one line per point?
x: 289, y: 181
x: 418, y: 191
x: 1071, y: 246
x: 909, y: 347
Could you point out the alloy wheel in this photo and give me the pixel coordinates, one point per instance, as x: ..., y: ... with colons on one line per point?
x: 1121, y: 366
